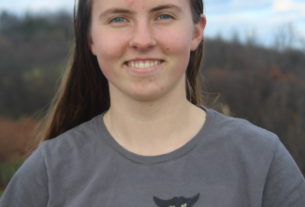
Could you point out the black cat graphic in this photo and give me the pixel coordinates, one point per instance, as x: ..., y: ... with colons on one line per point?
x: 177, y: 201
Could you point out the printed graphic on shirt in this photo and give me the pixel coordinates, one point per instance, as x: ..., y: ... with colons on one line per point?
x: 177, y: 201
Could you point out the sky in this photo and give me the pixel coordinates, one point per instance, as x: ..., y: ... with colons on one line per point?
x: 265, y: 20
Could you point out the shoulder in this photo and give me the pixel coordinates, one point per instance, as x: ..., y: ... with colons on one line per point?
x: 79, y: 135
x: 77, y: 142
x: 240, y: 138
x: 240, y: 130
x: 260, y: 157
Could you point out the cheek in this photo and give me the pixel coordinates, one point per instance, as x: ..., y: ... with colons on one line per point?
x: 108, y: 46
x: 175, y: 42
x: 108, y: 50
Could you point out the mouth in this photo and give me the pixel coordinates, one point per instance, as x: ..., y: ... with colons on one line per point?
x: 143, y: 64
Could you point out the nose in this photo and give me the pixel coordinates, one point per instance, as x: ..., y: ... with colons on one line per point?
x: 142, y: 37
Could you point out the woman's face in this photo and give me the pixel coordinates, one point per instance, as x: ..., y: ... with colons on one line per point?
x: 143, y: 46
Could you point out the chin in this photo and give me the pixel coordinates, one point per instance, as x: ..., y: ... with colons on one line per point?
x: 146, y: 96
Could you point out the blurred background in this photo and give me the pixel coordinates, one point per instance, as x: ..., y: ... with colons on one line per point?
x: 254, y: 68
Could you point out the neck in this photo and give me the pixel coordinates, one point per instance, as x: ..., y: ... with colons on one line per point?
x: 152, y: 128
x: 147, y: 112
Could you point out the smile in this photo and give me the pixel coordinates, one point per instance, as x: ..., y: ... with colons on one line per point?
x: 143, y: 64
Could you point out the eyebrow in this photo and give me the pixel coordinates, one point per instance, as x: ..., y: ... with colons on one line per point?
x: 168, y: 6
x: 115, y: 11
x: 126, y: 11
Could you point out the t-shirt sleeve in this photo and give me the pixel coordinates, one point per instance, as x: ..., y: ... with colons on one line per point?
x: 285, y: 184
x: 29, y: 186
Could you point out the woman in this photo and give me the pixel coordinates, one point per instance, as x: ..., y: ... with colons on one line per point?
x: 127, y: 129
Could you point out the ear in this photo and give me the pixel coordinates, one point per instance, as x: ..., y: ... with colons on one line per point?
x: 198, y: 32
x: 91, y: 44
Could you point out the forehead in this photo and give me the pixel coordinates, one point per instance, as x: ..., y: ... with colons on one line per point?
x: 137, y: 4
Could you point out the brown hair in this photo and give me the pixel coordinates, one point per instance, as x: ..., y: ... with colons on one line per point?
x: 84, y: 93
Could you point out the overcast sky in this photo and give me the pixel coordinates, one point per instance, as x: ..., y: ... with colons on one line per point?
x: 263, y: 18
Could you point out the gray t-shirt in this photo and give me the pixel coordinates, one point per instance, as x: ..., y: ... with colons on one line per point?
x: 229, y: 163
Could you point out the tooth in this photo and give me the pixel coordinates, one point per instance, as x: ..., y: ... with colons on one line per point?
x: 143, y: 64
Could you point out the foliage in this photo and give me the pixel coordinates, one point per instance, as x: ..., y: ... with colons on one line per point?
x: 33, y: 52
x: 7, y: 170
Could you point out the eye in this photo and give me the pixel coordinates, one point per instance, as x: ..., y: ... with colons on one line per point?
x: 165, y: 17
x: 118, y: 20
